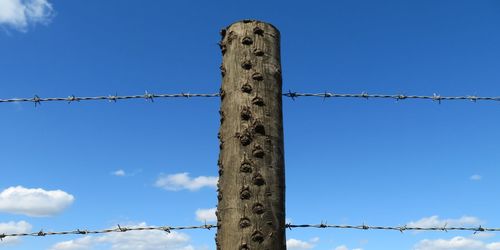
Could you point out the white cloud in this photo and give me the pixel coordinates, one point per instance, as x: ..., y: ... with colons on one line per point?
x: 34, y: 202
x: 344, y: 247
x: 299, y: 244
x: 476, y: 177
x: 456, y: 243
x: 19, y: 14
x: 13, y: 228
x: 206, y: 215
x: 435, y: 221
x: 483, y: 235
x: 132, y: 240
x: 119, y: 172
x: 176, y: 182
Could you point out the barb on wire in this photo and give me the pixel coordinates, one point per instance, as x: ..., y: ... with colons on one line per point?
x: 322, y: 225
x: 290, y: 94
x: 397, y: 97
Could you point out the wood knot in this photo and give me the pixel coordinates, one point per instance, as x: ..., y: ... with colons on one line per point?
x: 222, y: 47
x: 247, y: 64
x: 246, y: 113
x: 246, y: 88
x: 245, y: 138
x: 245, y: 222
x: 222, y: 94
x: 258, y: 101
x: 257, y: 76
x: 259, y: 128
x: 246, y: 164
x: 245, y: 193
x: 247, y: 41
x: 222, y: 116
x: 258, y: 237
x: 258, y: 151
x: 223, y: 33
x: 258, y: 31
x: 258, y: 208
x: 222, y: 70
x: 246, y: 168
x: 231, y: 36
x: 258, y: 180
x: 258, y: 52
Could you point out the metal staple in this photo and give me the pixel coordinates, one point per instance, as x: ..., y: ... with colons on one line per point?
x: 150, y: 97
x: 168, y: 229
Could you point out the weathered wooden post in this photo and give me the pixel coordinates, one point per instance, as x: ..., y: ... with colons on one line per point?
x: 251, y: 194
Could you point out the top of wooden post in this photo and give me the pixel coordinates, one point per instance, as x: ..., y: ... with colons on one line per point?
x: 253, y: 21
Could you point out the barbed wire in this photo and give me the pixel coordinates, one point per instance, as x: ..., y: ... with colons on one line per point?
x: 398, y: 97
x: 168, y: 229
x: 118, y: 229
x: 293, y: 95
x: 112, y: 98
x: 401, y: 229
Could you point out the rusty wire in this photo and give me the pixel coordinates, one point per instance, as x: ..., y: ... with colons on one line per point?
x: 168, y: 229
x: 293, y: 95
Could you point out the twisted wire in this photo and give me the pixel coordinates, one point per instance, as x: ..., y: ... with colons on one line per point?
x: 168, y: 229
x: 293, y: 95
x: 112, y: 98
x: 118, y: 229
x: 404, y: 228
x: 365, y: 95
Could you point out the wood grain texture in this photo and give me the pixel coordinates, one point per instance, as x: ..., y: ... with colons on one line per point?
x: 251, y: 189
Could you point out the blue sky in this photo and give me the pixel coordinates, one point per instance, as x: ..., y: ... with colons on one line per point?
x: 380, y: 162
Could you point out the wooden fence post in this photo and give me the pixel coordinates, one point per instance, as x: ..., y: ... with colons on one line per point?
x: 251, y: 189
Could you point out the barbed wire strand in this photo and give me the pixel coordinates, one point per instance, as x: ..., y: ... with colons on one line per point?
x: 402, y: 229
x: 293, y: 95
x: 398, y: 97
x: 118, y: 229
x: 112, y: 98
x: 168, y: 229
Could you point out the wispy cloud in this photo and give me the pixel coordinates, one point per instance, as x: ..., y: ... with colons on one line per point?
x: 206, y: 215
x: 13, y: 228
x: 435, y: 221
x: 456, y: 243
x: 20, y: 14
x: 475, y: 177
x: 181, y: 181
x: 119, y: 172
x: 132, y: 240
x: 344, y: 247
x: 34, y: 201
x: 295, y: 244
